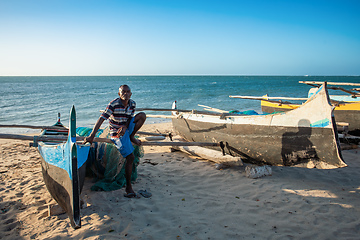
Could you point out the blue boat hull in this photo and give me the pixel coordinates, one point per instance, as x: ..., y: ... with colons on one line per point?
x: 63, y: 168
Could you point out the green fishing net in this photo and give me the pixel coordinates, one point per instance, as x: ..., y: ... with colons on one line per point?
x: 105, y: 163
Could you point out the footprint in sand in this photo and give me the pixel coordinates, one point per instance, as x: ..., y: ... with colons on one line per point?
x: 9, y: 221
x: 42, y: 207
x: 24, y: 182
x: 9, y: 227
x: 41, y: 202
x: 7, y: 224
x: 37, y: 187
x: 19, y: 194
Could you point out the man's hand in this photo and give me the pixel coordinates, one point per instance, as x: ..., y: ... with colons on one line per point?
x: 89, y: 139
x: 121, y: 131
x: 135, y: 140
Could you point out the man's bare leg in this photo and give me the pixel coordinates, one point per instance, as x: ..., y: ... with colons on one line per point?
x: 128, y: 171
x: 139, y: 120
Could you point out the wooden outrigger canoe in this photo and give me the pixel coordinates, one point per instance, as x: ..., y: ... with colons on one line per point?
x: 347, y: 107
x: 63, y: 167
x: 305, y: 137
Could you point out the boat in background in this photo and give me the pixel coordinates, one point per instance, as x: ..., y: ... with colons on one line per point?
x: 304, y: 137
x: 347, y: 107
x: 64, y: 166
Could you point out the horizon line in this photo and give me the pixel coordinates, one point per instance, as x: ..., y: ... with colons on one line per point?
x: 139, y: 75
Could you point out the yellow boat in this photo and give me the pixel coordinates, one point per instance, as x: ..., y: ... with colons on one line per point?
x: 344, y: 112
x: 347, y: 107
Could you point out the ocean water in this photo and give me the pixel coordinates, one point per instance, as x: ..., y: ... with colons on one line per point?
x: 38, y: 100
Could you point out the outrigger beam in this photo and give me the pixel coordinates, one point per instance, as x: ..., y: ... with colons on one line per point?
x: 353, y: 92
x: 107, y: 140
x: 330, y: 83
x: 31, y: 126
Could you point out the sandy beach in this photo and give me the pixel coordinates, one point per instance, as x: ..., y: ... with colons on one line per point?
x: 191, y: 199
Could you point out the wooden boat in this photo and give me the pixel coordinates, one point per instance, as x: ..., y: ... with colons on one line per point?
x: 347, y: 108
x: 305, y: 137
x: 63, y: 168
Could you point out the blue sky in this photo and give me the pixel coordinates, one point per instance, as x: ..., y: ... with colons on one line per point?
x: 42, y: 37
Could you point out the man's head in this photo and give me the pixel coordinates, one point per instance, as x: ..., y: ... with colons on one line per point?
x: 125, y: 92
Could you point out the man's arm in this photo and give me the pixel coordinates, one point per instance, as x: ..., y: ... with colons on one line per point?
x: 123, y: 128
x: 90, y: 138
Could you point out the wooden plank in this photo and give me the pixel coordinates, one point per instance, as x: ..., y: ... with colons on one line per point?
x: 54, y: 210
x: 211, y: 155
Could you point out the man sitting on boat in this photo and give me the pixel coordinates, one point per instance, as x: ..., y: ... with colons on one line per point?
x: 123, y: 126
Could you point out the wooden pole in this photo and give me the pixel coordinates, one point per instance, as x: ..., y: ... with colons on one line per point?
x: 162, y: 110
x: 152, y: 138
x: 160, y: 116
x: 179, y: 110
x: 210, y: 154
x: 207, y: 108
x: 153, y: 134
x: 157, y: 116
x: 31, y: 138
x: 107, y: 140
x: 150, y: 143
x: 268, y: 98
x: 331, y: 83
x: 352, y: 92
x: 31, y: 126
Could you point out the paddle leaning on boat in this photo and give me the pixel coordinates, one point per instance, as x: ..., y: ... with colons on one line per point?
x: 304, y: 137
